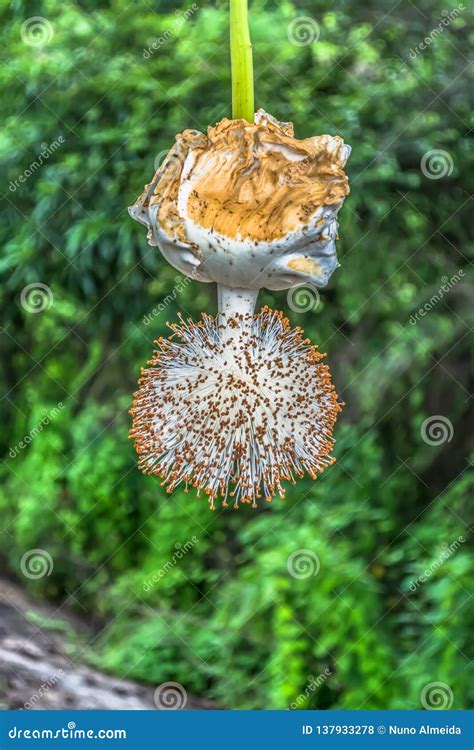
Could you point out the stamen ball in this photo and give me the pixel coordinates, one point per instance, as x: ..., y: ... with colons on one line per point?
x: 234, y: 406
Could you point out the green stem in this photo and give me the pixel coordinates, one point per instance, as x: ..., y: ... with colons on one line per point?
x: 241, y: 61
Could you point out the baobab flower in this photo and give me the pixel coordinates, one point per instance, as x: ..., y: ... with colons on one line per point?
x: 237, y: 404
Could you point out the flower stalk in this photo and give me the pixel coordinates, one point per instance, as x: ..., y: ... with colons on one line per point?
x: 241, y: 61
x: 235, y: 301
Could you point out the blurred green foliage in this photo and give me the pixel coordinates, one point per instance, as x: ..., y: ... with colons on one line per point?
x: 227, y: 620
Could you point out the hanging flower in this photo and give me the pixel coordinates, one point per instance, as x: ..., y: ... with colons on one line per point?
x: 238, y: 404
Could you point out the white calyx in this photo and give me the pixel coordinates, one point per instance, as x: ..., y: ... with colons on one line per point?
x: 248, y: 205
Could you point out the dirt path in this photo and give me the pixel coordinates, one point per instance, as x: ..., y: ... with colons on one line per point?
x: 38, y: 669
